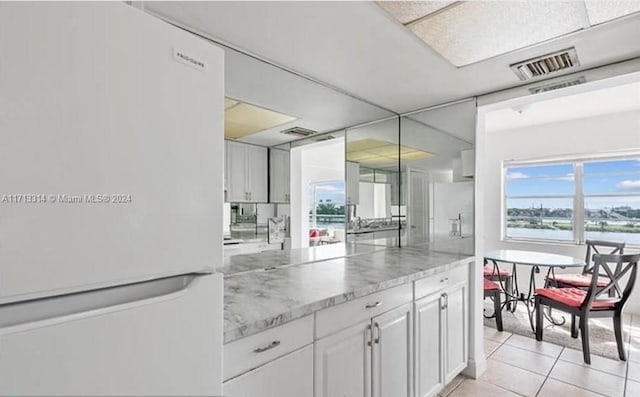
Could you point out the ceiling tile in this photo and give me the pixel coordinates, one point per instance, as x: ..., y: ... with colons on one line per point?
x: 243, y: 119
x: 408, y: 11
x: 474, y: 31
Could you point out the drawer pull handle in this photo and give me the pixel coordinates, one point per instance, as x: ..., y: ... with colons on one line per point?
x: 266, y: 269
x: 270, y: 346
x: 372, y: 305
x: 444, y: 280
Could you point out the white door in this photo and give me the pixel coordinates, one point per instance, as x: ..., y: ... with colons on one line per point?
x: 393, y: 353
x: 98, y: 107
x: 288, y: 376
x: 418, y: 208
x: 343, y: 363
x: 455, y: 331
x: 429, y: 347
x: 236, y: 171
x: 162, y: 337
x: 258, y: 173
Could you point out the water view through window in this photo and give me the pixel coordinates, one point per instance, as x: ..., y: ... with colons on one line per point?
x: 541, y: 200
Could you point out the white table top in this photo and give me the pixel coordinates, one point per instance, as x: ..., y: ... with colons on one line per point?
x: 534, y: 258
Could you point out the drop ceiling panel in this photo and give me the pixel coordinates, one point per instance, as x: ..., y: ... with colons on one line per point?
x: 409, y: 11
x: 242, y: 119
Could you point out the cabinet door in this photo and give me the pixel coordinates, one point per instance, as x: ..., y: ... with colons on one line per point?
x: 288, y: 376
x: 429, y: 350
x: 279, y: 176
x: 455, y: 330
x: 353, y: 182
x: 236, y: 172
x: 258, y: 173
x: 343, y: 363
x: 393, y: 353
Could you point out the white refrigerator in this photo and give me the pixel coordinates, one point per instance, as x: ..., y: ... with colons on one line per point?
x: 111, y: 192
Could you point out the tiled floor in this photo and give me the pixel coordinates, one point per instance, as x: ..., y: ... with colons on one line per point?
x: 521, y: 366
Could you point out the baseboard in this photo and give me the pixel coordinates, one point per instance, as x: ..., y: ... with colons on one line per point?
x: 475, y: 368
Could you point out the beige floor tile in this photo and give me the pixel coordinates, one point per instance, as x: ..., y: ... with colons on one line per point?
x: 633, y: 389
x: 479, y: 388
x: 512, y: 378
x: 490, y: 347
x: 588, y: 378
x: 452, y: 385
x: 525, y: 359
x: 634, y: 371
x: 554, y: 388
x: 495, y: 335
x: 614, y: 367
x: 546, y: 348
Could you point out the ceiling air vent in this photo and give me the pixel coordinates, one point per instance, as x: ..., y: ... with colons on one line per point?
x: 299, y: 132
x: 557, y: 85
x: 546, y: 64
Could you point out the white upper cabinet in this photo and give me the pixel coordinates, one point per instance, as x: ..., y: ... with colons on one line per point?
x: 246, y: 173
x: 353, y: 182
x: 279, y: 176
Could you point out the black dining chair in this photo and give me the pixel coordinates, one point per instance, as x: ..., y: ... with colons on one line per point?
x: 596, y: 301
x: 492, y: 290
x: 583, y: 280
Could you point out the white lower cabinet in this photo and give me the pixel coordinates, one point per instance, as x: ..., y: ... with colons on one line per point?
x: 429, y: 350
x: 288, y: 376
x: 393, y: 353
x: 343, y: 363
x: 440, y: 338
x: 370, y: 359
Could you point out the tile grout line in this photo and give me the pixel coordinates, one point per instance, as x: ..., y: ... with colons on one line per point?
x: 549, y: 373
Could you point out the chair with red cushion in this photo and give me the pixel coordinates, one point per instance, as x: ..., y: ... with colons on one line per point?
x: 596, y: 301
x: 495, y: 273
x: 583, y: 280
x: 492, y: 290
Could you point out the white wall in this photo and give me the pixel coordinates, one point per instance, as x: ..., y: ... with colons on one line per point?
x: 608, y: 133
x: 321, y: 162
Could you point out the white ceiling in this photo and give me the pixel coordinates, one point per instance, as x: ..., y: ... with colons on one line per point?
x: 611, y: 100
x: 359, y: 48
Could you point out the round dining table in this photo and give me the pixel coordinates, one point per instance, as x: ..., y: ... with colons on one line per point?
x: 534, y: 260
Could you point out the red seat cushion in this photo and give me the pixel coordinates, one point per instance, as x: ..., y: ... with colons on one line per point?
x: 490, y: 285
x: 571, y: 297
x: 489, y: 271
x: 579, y: 280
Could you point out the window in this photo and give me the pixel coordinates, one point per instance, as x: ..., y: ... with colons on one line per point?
x: 326, y: 211
x: 573, y: 201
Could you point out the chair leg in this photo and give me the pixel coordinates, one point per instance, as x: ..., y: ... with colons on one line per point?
x: 497, y: 310
x: 584, y: 330
x: 574, y: 328
x: 509, y: 287
x: 617, y: 326
x: 539, y: 317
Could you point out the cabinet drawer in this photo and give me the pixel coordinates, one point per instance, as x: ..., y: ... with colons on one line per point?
x: 431, y: 284
x: 341, y: 316
x: 247, y: 353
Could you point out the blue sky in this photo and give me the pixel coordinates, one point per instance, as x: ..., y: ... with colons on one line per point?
x: 333, y: 191
x: 601, y: 177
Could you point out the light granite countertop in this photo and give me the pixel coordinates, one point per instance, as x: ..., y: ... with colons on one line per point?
x: 268, y: 260
x: 258, y: 300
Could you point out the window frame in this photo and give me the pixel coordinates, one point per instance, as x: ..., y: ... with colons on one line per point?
x: 578, y: 211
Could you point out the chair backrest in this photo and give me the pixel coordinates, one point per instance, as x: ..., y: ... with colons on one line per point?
x: 627, y: 264
x: 595, y: 247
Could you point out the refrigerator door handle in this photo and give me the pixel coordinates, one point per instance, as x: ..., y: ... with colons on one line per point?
x: 30, y: 314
